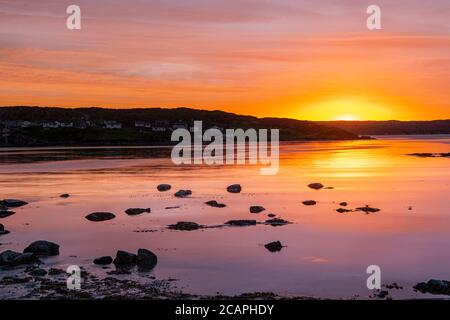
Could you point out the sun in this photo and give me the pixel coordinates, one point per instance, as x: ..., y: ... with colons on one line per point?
x: 347, y: 117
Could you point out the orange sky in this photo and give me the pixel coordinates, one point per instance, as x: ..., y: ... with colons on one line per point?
x: 287, y: 58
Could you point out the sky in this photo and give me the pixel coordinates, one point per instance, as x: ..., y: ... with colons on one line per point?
x: 303, y: 59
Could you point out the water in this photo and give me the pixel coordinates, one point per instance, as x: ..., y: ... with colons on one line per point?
x: 326, y: 253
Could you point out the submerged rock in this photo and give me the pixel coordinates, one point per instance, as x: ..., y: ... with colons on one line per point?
x: 103, y: 260
x: 274, y: 246
x: 164, y: 187
x: 234, y: 188
x: 342, y: 210
x: 185, y: 226
x: 43, y: 248
x: 256, y: 209
x: 65, y: 195
x: 309, y: 202
x: 343, y: 204
x: 241, y: 223
x: 136, y: 211
x: 215, y: 204
x: 183, y: 193
x: 315, y: 186
x: 277, y: 222
x: 434, y: 286
x: 38, y: 273
x: 125, y: 258
x: 146, y: 260
x: 13, y: 203
x: 367, y: 209
x: 100, y: 216
x: 4, y: 214
x: 271, y: 215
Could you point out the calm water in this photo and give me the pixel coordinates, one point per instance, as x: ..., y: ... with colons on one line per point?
x: 327, y: 252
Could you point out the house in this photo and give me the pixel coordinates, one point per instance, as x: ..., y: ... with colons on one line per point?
x: 160, y: 126
x: 111, y: 125
x: 56, y: 124
x: 142, y: 124
x: 179, y: 125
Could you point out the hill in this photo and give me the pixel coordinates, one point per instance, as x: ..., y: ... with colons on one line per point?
x: 392, y: 127
x: 44, y: 126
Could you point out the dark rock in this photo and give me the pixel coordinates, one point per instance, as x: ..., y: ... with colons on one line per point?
x: 56, y: 272
x: 315, y: 186
x: 215, y: 204
x: 241, y: 223
x: 342, y: 210
x: 185, y: 226
x: 271, y: 215
x: 136, y: 211
x: 2, y: 230
x: 146, y: 260
x: 43, y: 248
x: 13, y: 203
x: 309, y: 202
x: 4, y: 214
x: 65, y: 195
x: 8, y: 256
x: 38, y: 273
x: 423, y: 155
x: 367, y: 209
x: 125, y: 258
x: 12, y: 258
x: 256, y: 209
x: 100, y: 216
x: 383, y: 294
x: 277, y: 222
x: 234, y: 188
x: 274, y: 246
x: 434, y: 286
x: 164, y: 187
x: 343, y: 204
x: 183, y: 193
x: 103, y: 260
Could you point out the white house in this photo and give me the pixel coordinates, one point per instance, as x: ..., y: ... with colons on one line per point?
x: 111, y: 125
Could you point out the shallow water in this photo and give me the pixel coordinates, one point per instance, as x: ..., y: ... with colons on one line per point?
x: 326, y: 253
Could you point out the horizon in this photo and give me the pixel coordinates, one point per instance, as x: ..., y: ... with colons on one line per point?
x: 292, y: 59
x: 235, y: 113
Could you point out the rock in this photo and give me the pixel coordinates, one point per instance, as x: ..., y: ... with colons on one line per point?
x: 309, y: 202
x: 434, y: 286
x: 12, y: 258
x: 256, y: 209
x: 424, y: 155
x: 136, y: 211
x: 343, y: 204
x: 183, y: 193
x: 3, y: 208
x: 8, y: 256
x: 342, y: 210
x: 125, y: 258
x: 43, y: 248
x: 271, y: 215
x: 277, y: 222
x: 103, y: 260
x: 215, y: 204
x: 65, y: 195
x: 2, y: 230
x: 185, y: 226
x: 274, y: 246
x: 241, y: 223
x: 13, y: 203
x: 234, y: 188
x: 164, y: 187
x: 56, y: 272
x: 315, y: 186
x: 38, y: 273
x: 367, y: 209
x: 4, y: 214
x: 100, y: 216
x: 146, y: 260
